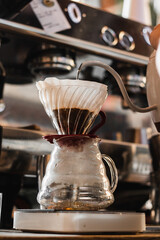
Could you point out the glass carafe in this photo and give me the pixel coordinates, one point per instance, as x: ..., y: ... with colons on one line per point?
x: 75, y: 177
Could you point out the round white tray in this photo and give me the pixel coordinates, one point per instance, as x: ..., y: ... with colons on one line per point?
x: 79, y: 222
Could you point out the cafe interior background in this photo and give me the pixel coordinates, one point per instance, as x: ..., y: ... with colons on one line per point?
x: 21, y: 108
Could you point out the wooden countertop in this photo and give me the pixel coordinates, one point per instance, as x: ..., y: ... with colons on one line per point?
x: 151, y: 234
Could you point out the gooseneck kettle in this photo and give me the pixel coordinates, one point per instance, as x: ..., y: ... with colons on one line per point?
x: 152, y: 86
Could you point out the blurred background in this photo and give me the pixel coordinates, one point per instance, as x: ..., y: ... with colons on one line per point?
x: 26, y: 58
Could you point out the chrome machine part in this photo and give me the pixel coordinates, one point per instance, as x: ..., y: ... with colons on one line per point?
x: 109, y: 40
x: 105, y: 51
x: 109, y: 36
x: 126, y: 40
x: 134, y: 80
x: 106, y: 39
x: 50, y: 60
x: 132, y: 77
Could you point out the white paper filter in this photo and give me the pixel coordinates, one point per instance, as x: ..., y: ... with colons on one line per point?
x: 71, y: 94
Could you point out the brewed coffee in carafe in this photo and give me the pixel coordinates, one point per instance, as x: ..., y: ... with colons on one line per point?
x: 75, y: 177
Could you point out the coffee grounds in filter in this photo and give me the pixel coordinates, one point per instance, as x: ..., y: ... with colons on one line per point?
x: 73, y: 120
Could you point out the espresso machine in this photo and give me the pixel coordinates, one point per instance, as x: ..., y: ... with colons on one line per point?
x: 57, y: 54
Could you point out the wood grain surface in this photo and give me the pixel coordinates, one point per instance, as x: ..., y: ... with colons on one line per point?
x: 12, y: 234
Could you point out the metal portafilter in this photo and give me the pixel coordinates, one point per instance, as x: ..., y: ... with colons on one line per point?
x: 154, y: 146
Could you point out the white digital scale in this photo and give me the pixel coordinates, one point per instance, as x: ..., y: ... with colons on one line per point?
x: 78, y: 221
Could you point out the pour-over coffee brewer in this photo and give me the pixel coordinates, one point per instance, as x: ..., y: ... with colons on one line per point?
x: 75, y: 190
x: 75, y: 177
